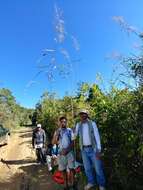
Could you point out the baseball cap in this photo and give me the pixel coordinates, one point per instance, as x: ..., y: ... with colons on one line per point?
x: 84, y: 111
x: 39, y: 125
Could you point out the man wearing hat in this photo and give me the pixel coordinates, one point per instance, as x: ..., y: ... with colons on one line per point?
x: 38, y: 142
x: 90, y: 145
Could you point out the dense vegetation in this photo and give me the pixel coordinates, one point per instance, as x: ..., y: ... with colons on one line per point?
x: 12, y: 115
x: 119, y: 115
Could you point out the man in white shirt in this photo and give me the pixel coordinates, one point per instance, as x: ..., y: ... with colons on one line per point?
x: 90, y: 146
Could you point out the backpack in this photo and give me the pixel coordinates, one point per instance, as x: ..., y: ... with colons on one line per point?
x: 68, y: 131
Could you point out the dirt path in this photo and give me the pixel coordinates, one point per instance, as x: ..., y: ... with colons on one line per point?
x: 18, y: 170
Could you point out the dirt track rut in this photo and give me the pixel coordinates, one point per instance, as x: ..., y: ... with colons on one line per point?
x: 18, y: 170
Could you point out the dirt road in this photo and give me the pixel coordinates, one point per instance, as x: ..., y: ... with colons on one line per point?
x: 18, y: 170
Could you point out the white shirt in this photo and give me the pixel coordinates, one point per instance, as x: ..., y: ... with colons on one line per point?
x: 86, y: 138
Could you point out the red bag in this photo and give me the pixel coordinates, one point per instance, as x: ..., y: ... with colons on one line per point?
x: 78, y: 170
x: 58, y: 177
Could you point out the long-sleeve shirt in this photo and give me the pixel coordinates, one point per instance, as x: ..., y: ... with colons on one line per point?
x: 86, y: 137
x: 38, y: 137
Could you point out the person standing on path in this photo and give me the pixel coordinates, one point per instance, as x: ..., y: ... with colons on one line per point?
x: 90, y: 145
x: 38, y: 142
x: 64, y: 137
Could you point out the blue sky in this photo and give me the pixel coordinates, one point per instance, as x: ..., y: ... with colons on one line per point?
x: 27, y: 28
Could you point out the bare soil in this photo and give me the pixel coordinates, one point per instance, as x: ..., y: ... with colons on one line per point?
x: 18, y: 169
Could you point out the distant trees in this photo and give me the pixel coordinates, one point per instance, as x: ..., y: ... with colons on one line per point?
x: 11, y: 113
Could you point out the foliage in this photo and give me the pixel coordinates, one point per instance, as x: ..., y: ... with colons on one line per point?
x: 12, y: 114
x: 119, y: 115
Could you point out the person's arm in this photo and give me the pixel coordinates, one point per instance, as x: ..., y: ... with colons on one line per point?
x: 33, y: 139
x: 97, y: 137
x: 76, y: 131
x: 44, y: 137
x: 71, y: 145
x: 55, y: 138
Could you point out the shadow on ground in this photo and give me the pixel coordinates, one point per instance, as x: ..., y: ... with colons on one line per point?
x: 1, y: 145
x: 14, y: 183
x: 35, y: 177
x: 26, y: 134
x: 40, y: 178
x: 17, y: 162
x: 32, y: 177
x: 22, y: 132
x: 29, y: 142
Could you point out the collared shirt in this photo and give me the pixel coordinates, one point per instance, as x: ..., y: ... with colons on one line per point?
x: 86, y: 138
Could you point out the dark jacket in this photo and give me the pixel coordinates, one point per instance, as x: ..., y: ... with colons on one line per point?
x: 38, y: 137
